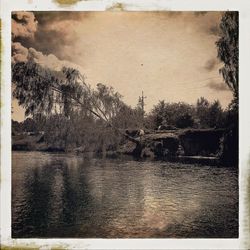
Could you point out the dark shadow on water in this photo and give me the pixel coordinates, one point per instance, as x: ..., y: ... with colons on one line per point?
x: 34, y: 216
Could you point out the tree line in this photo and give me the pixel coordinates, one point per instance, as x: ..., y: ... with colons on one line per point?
x: 203, y: 114
x: 81, y: 128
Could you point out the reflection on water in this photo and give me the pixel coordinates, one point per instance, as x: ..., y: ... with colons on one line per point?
x: 56, y: 195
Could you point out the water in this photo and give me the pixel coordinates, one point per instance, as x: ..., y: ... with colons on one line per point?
x: 58, y: 195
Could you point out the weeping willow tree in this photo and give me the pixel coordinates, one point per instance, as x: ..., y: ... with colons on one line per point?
x: 39, y: 90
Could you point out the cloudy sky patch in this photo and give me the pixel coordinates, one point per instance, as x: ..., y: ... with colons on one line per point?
x: 169, y: 55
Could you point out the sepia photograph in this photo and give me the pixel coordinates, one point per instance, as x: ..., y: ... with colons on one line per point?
x: 125, y: 124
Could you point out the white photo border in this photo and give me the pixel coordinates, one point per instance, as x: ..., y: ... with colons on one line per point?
x: 243, y: 6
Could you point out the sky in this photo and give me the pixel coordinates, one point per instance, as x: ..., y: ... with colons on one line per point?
x: 170, y: 56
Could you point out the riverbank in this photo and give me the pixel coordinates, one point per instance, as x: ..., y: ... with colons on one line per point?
x: 204, y: 146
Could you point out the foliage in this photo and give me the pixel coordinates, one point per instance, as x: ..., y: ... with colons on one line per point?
x: 106, y: 103
x: 31, y: 88
x: 128, y: 118
x: 183, y: 115
x: 66, y: 105
x: 202, y: 110
x: 15, y: 127
x: 40, y: 91
x: 28, y: 125
x: 176, y: 114
x: 228, y: 53
x: 210, y: 115
x: 215, y: 115
x: 184, y: 121
x: 228, y: 50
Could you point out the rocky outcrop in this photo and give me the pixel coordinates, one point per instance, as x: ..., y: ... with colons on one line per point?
x: 162, y: 144
x: 203, y: 142
x: 229, y: 147
x: 152, y: 145
x: 198, y: 145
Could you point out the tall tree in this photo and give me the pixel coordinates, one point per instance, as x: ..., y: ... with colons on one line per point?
x: 228, y: 50
x: 228, y: 53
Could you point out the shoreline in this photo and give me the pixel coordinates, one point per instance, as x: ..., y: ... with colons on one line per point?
x: 198, y: 146
x: 200, y: 160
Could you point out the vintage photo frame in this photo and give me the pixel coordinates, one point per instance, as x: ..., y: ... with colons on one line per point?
x: 243, y: 242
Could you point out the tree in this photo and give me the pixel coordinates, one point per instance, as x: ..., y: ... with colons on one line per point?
x: 174, y: 114
x: 209, y: 115
x: 38, y: 90
x: 128, y: 118
x: 184, y: 121
x: 215, y: 115
x: 16, y: 127
x: 29, y: 125
x: 228, y: 53
x: 202, y: 109
x: 228, y: 50
x: 158, y: 114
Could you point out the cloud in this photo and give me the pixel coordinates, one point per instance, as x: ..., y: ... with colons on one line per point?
x: 45, y: 17
x: 19, y: 53
x: 211, y: 64
x: 61, y: 29
x: 23, y: 24
x: 214, y: 30
x: 50, y: 61
x: 219, y: 86
x: 22, y: 54
x: 56, y: 29
x: 210, y: 22
x: 24, y: 31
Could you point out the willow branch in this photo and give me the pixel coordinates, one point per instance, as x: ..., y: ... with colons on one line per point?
x: 99, y: 116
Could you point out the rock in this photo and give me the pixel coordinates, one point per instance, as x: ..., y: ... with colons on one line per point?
x: 163, y: 142
x: 127, y: 148
x: 229, y: 147
x: 204, y: 142
x: 157, y: 145
x: 147, y: 153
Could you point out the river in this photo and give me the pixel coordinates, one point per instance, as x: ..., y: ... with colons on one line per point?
x: 63, y: 195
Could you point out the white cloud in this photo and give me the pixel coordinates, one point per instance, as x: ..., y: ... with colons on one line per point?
x: 22, y: 54
x: 19, y: 53
x: 23, y: 24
